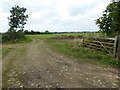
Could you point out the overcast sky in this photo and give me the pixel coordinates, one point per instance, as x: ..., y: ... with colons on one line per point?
x: 56, y: 15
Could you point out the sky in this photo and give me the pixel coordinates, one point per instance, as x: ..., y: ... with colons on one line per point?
x: 56, y: 15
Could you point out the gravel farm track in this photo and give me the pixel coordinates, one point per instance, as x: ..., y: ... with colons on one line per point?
x: 36, y: 65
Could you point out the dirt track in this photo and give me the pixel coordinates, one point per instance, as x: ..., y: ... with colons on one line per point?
x: 36, y: 65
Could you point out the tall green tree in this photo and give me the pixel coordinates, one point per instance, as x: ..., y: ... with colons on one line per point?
x: 17, y: 20
x: 109, y: 23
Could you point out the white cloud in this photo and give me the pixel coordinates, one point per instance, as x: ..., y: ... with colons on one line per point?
x: 56, y: 15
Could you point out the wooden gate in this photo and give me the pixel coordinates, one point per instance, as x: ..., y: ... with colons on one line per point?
x: 108, y: 45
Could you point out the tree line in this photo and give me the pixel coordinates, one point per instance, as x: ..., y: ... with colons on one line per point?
x: 32, y: 32
x: 36, y: 32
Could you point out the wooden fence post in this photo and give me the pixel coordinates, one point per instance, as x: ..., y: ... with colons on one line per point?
x: 115, y: 46
x: 118, y: 48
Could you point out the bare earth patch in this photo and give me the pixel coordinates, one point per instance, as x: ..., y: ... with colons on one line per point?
x: 36, y: 65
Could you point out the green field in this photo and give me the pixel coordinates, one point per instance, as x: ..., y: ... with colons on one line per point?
x: 71, y: 48
x: 67, y: 34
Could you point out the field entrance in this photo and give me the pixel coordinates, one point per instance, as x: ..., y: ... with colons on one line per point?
x: 37, y: 65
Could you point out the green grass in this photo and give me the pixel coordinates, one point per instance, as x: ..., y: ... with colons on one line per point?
x: 82, y: 54
x: 26, y: 40
x: 46, y: 36
x: 5, y: 51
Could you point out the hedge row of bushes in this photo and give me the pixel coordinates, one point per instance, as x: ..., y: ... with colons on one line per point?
x: 12, y: 37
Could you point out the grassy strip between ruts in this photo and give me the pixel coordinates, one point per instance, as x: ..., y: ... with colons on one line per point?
x: 80, y: 53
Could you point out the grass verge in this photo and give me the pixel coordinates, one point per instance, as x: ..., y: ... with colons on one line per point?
x: 82, y: 54
x: 26, y: 40
x: 5, y: 51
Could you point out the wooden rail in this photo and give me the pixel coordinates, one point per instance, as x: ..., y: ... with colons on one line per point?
x: 107, y: 45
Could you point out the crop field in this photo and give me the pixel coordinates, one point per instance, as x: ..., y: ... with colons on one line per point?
x: 40, y: 61
x: 67, y: 34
